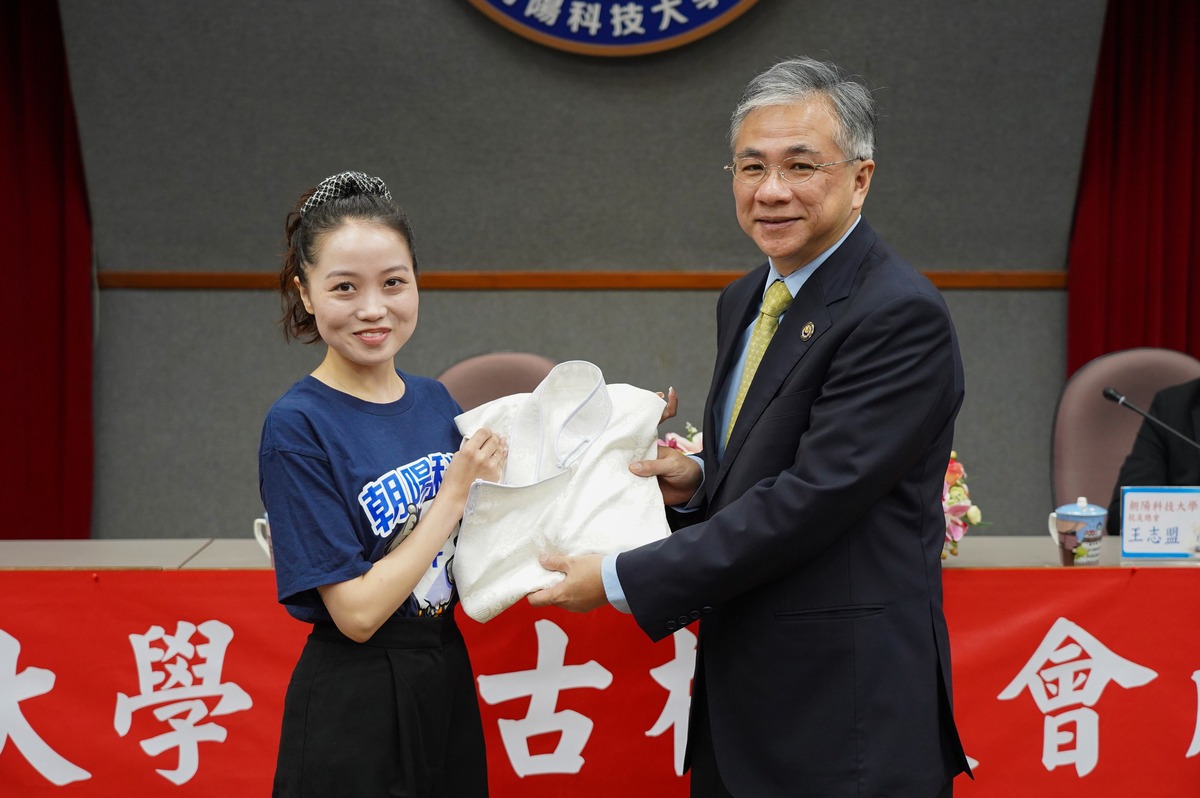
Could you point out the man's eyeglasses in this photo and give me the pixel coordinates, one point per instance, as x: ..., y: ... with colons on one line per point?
x: 752, y: 171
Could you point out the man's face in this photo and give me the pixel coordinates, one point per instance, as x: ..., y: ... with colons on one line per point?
x: 792, y: 223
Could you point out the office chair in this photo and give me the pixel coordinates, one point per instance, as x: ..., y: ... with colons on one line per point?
x: 489, y: 376
x: 1092, y: 435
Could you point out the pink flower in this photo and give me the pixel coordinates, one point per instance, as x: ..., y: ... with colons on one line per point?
x: 955, y: 528
x: 959, y: 511
x: 676, y: 441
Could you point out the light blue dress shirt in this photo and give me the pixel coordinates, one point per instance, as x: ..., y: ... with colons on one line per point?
x: 725, y: 400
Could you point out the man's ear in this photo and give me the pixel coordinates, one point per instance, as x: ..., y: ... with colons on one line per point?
x: 862, y: 182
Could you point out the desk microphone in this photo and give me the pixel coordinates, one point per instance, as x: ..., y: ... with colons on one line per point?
x: 1112, y: 395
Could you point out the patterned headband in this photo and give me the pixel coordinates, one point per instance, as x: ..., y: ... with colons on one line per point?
x: 346, y: 184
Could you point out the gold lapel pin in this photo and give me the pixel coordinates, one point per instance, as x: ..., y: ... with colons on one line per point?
x: 808, y: 331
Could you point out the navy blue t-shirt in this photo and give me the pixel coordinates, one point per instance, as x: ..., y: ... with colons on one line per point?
x: 339, y: 478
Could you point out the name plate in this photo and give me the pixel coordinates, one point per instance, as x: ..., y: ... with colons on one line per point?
x: 1160, y: 523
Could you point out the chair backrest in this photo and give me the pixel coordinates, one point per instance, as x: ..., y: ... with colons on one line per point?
x: 1093, y: 435
x: 482, y: 378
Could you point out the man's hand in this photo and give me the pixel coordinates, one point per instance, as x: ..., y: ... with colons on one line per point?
x: 581, y: 591
x: 678, y: 475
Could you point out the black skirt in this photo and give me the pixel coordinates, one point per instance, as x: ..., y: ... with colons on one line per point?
x: 395, y: 716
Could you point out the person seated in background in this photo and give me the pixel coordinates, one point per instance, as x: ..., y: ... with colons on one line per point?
x: 1158, y: 457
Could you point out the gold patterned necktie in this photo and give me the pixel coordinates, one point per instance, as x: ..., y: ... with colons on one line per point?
x: 775, y: 302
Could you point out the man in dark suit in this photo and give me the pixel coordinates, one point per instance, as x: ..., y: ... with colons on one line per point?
x: 812, y: 559
x: 1157, y: 456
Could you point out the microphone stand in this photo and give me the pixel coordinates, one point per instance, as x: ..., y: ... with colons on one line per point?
x: 1112, y: 395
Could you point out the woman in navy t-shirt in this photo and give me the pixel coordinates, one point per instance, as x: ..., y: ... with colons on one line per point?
x: 364, y: 477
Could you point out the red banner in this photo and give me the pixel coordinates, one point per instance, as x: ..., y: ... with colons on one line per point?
x: 88, y: 638
x: 1068, y: 682
x: 1077, y: 681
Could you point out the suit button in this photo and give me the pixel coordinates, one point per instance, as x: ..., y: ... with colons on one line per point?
x: 671, y: 625
x: 683, y: 620
x: 695, y: 614
x: 706, y: 610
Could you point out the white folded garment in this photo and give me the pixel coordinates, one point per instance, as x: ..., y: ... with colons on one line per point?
x: 567, y: 488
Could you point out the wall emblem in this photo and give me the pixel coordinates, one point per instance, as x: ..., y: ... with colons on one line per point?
x: 612, y: 27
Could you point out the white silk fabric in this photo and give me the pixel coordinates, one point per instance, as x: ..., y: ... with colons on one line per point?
x: 567, y: 488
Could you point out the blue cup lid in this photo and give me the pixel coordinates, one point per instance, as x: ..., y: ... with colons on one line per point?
x: 1081, y: 509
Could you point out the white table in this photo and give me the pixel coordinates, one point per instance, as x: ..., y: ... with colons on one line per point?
x: 131, y: 554
x: 975, y: 551
x: 1020, y: 551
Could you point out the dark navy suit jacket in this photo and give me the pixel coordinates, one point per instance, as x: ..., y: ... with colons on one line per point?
x: 1158, y: 457
x: 815, y: 566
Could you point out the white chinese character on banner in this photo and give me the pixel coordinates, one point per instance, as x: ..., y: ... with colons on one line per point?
x: 584, y: 15
x: 669, y: 9
x: 1194, y: 748
x: 544, y: 11
x: 626, y: 19
x: 676, y: 677
x: 175, y: 676
x: 704, y: 5
x: 542, y: 685
x: 15, y: 688
x: 1071, y: 668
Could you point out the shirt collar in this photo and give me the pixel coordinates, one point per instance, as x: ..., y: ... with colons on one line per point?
x: 796, y: 279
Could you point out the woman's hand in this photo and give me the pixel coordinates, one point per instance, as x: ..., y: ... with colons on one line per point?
x: 481, y: 456
x: 672, y: 405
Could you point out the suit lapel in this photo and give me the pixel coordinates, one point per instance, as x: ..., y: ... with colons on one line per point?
x: 739, y: 307
x: 808, y: 313
x: 807, y: 319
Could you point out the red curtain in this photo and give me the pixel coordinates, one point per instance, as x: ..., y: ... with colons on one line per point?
x: 1134, y: 249
x: 46, y: 302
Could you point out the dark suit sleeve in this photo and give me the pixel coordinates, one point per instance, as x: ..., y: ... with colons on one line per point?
x: 866, y: 415
x: 1146, y: 463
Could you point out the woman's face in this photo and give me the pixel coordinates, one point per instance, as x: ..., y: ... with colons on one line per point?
x: 362, y: 290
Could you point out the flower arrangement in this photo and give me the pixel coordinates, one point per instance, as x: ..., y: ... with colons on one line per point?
x: 957, y: 506
x: 690, y: 442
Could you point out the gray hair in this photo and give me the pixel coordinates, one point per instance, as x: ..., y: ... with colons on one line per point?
x: 797, y: 80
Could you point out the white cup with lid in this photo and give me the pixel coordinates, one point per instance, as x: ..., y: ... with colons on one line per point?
x: 1078, y: 530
